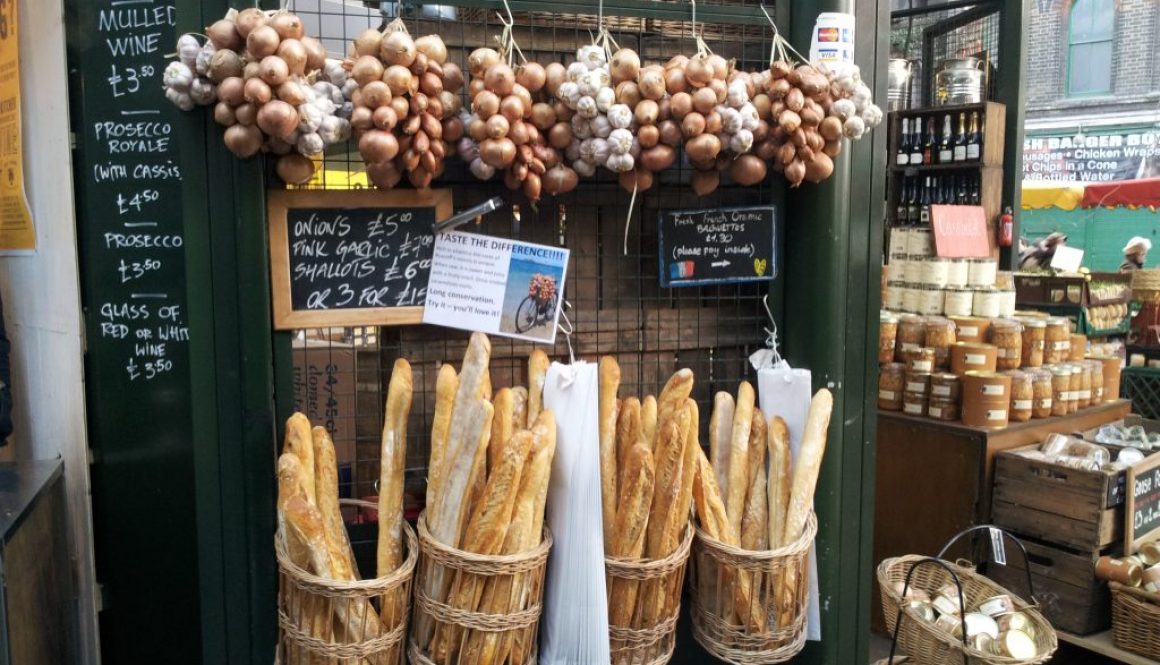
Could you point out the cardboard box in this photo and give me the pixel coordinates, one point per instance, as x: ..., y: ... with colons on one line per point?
x: 325, y: 390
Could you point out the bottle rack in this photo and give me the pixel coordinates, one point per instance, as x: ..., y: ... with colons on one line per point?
x: 987, y: 170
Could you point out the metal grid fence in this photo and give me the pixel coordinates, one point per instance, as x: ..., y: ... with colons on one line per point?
x: 928, y: 36
x: 616, y: 303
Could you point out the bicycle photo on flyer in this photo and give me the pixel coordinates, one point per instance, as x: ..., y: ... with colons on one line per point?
x: 532, y: 298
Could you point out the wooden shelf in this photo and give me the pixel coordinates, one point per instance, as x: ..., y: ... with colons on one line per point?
x: 915, y: 169
x: 1102, y: 644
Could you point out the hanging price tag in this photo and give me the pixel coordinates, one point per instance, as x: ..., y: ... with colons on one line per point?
x: 998, y: 549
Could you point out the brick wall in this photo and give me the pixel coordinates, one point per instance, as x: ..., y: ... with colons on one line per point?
x: 1135, y: 66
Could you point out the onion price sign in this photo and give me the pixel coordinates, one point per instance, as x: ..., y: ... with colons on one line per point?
x: 1143, y: 503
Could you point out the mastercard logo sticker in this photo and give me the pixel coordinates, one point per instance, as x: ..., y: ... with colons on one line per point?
x: 827, y: 34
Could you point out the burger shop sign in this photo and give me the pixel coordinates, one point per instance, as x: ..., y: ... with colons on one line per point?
x: 1093, y: 157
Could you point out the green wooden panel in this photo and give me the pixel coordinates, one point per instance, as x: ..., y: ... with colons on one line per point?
x: 1100, y: 232
x: 131, y: 232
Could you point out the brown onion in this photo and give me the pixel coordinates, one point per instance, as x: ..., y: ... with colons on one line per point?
x: 293, y: 53
x: 288, y: 25
x: 670, y: 132
x: 646, y: 112
x: 366, y: 68
x: 789, y: 121
x: 368, y: 42
x: 292, y: 92
x: 698, y: 72
x: 401, y: 106
x: 480, y: 60
x: 315, y: 54
x: 398, y: 48
x: 247, y: 20
x: 747, y: 170
x: 383, y: 117
x: 681, y: 104
x: 703, y: 147
x: 658, y: 158
x: 628, y: 93
x: 532, y: 76
x: 361, y: 118
x: 705, y: 182
x: 560, y: 179
x: 263, y: 41
x: 452, y: 129
x: 704, y: 100
x: 720, y: 89
x: 499, y: 79
x: 452, y: 77
x: 433, y: 47
x: 224, y: 34
x: 713, y: 123
x: 795, y: 172
x: 223, y: 114
x: 497, y: 126
x: 247, y: 114
x: 497, y: 152
x: 624, y: 66
x: 277, y: 118
x: 543, y: 115
x: 485, y: 104
x: 376, y: 146
x: 819, y: 168
x: 477, y: 130
x: 275, y: 71
x: 224, y: 64
x: 555, y: 75
x: 398, y: 78
x: 648, y: 135
x: 375, y: 94
x: 295, y: 169
x: 720, y: 66
x: 832, y: 148
x: 560, y: 135
x: 675, y: 80
x: 243, y: 140
x: 651, y: 83
x: 231, y: 91
x: 693, y: 125
x: 257, y: 91
x: 637, y: 179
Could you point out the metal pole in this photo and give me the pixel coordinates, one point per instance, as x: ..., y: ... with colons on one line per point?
x: 1009, y: 89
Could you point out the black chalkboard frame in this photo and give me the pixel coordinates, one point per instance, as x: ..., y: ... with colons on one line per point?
x: 667, y: 281
x: 278, y: 204
x: 1132, y: 539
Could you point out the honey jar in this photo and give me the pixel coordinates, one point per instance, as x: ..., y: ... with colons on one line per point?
x: 1060, y: 390
x: 1112, y: 366
x: 942, y: 409
x: 887, y: 336
x: 1076, y: 383
x: 911, y: 333
x: 1022, y: 396
x: 1084, y: 394
x: 1007, y: 336
x: 1042, y: 393
x: 940, y: 335
x: 891, y: 384
x: 971, y: 328
x: 1057, y: 341
x: 1032, y: 342
x: 917, y: 383
x: 919, y: 359
x: 1078, y: 348
x: 1096, y: 370
x: 944, y: 385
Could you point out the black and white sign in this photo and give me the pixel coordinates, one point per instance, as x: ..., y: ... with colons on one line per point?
x: 720, y: 246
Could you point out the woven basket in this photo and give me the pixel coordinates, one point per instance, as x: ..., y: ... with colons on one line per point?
x: 928, y: 645
x: 1135, y: 620
x: 312, y: 613
x: 647, y: 641
x: 463, y: 636
x: 1146, y: 280
x: 773, y: 628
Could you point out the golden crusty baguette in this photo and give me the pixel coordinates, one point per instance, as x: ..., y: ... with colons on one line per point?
x: 804, y: 483
x: 678, y: 518
x: 666, y: 499
x: 501, y: 426
x: 446, y: 385
x: 632, y: 517
x: 609, y: 385
x: 779, y: 479
x: 291, y: 484
x: 627, y: 436
x: 809, y: 464
x: 300, y: 441
x: 648, y: 421
x: 392, y: 461
x: 304, y: 522
x: 720, y: 438
x: 485, y: 534
x: 754, y: 524
x: 485, y: 390
x: 520, y: 409
x: 673, y: 396
x: 523, y: 534
x: 326, y: 489
x: 537, y: 375
x: 757, y: 448
x: 739, y: 457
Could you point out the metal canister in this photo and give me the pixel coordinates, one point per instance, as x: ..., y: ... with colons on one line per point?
x: 982, y: 272
x: 986, y: 303
x: 930, y: 300
x: 996, y: 605
x: 913, y: 269
x: 934, y: 272
x: 898, y: 85
x: 959, y: 81
x: 958, y: 272
x: 958, y: 301
x: 1007, y: 302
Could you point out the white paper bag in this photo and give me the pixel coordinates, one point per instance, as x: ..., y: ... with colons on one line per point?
x: 574, y: 625
x: 786, y: 392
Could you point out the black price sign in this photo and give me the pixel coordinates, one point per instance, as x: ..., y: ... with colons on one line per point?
x: 721, y: 246
x: 343, y: 258
x: 1143, y: 503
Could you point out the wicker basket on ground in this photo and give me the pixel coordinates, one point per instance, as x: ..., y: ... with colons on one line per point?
x: 329, y: 621
x: 927, y: 644
x: 471, y: 637
x: 646, y: 638
x: 749, y: 608
x: 1136, y: 620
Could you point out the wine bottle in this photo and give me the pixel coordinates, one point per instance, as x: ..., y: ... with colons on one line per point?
x: 902, y: 157
x: 974, y: 138
x: 912, y: 209
x: 961, y: 139
x: 945, y: 146
x: 976, y: 193
x: 925, y: 202
x: 963, y: 195
x: 929, y: 151
x: 916, y: 141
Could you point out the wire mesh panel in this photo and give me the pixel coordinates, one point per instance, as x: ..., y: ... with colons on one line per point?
x: 929, y: 36
x: 616, y: 303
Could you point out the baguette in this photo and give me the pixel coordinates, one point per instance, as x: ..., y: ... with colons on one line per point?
x: 392, y: 461
x: 627, y: 436
x: 537, y: 375
x: 609, y: 385
x: 520, y: 409
x: 506, y: 593
x: 485, y: 535
x: 709, y: 506
x: 446, y: 385
x: 779, y: 479
x: 501, y: 426
x: 485, y: 390
x: 290, y: 485
x: 720, y: 436
x: 758, y: 442
x: 300, y: 441
x: 739, y: 457
x: 754, y: 525
x: 666, y: 500
x: 673, y: 396
x: 678, y: 519
x: 648, y: 422
x: 326, y: 486
x: 357, y: 619
x: 636, y: 493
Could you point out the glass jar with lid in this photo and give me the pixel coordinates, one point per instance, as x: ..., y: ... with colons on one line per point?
x: 1022, y: 396
x: 1076, y: 383
x: 911, y: 333
x: 940, y: 336
x: 887, y: 336
x: 1096, y: 369
x: 1032, y: 342
x: 1007, y: 336
x: 1078, y: 348
x: 1060, y: 390
x: 891, y: 384
x: 1057, y: 341
x: 1084, y: 396
x: 1042, y: 394
x: 919, y: 359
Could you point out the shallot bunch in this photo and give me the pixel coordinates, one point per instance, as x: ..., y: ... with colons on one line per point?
x: 399, y: 106
x: 505, y: 130
x: 805, y: 138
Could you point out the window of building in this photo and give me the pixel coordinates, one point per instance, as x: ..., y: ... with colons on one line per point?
x: 1089, y: 47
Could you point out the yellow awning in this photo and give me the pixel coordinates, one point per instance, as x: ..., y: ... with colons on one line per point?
x: 1048, y: 194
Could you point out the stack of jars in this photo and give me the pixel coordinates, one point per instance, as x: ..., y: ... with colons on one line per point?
x: 1039, y: 365
x: 919, y: 282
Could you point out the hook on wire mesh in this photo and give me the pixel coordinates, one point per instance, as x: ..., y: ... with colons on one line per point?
x: 567, y: 331
x: 771, y: 332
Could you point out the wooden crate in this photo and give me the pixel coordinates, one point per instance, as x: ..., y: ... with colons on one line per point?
x: 1065, y: 585
x: 1082, y: 510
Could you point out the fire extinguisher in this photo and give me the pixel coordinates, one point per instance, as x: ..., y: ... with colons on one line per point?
x: 1006, y: 227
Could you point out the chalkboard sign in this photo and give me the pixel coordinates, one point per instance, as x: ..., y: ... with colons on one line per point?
x: 1143, y: 503
x: 721, y: 246
x: 346, y: 258
x: 128, y: 173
